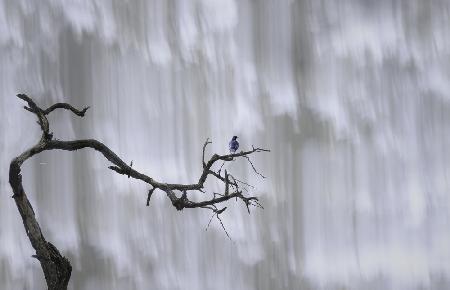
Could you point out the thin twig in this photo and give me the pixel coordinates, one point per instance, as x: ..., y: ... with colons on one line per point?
x: 220, y: 169
x: 254, y: 169
x: 245, y: 183
x: 210, y: 221
x: 223, y: 227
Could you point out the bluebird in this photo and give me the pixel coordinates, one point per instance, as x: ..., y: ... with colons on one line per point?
x: 234, y: 144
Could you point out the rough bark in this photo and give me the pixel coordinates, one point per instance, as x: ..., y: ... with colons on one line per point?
x: 57, y: 268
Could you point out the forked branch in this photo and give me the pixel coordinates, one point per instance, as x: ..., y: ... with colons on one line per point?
x: 57, y: 269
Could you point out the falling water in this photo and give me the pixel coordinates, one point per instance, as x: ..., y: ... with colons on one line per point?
x: 352, y: 97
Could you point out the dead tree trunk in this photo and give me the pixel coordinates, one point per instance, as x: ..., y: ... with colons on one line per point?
x: 57, y: 268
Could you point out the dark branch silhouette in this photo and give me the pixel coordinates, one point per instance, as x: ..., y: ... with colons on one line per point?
x: 57, y: 269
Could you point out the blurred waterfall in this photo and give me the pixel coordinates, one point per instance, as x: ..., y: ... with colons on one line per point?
x: 352, y: 97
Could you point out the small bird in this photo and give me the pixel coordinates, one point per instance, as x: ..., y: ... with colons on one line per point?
x: 234, y: 144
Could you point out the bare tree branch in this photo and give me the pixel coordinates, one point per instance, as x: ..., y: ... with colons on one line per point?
x: 150, y: 192
x: 210, y: 221
x: 254, y: 169
x: 67, y: 107
x: 223, y: 227
x: 204, y: 148
x: 57, y: 269
x: 244, y: 183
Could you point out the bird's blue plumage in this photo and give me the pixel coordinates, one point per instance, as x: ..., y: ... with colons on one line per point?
x: 234, y: 144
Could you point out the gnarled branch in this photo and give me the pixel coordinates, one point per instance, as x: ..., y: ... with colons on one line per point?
x: 67, y: 107
x: 57, y: 269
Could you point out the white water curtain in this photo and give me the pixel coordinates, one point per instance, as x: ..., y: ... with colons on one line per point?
x: 351, y: 96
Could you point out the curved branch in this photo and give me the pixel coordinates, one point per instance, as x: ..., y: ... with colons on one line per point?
x: 122, y: 168
x: 204, y: 148
x: 42, y: 120
x: 67, y: 107
x: 253, y: 166
x: 57, y: 269
x: 150, y: 192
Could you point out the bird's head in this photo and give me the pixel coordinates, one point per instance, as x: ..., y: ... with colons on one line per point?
x: 234, y: 137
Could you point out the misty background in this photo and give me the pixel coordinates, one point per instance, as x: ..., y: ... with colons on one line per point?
x: 351, y: 96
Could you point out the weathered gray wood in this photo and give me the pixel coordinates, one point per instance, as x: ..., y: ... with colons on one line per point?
x: 57, y: 268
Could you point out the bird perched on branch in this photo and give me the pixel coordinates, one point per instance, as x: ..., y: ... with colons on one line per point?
x: 234, y: 144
